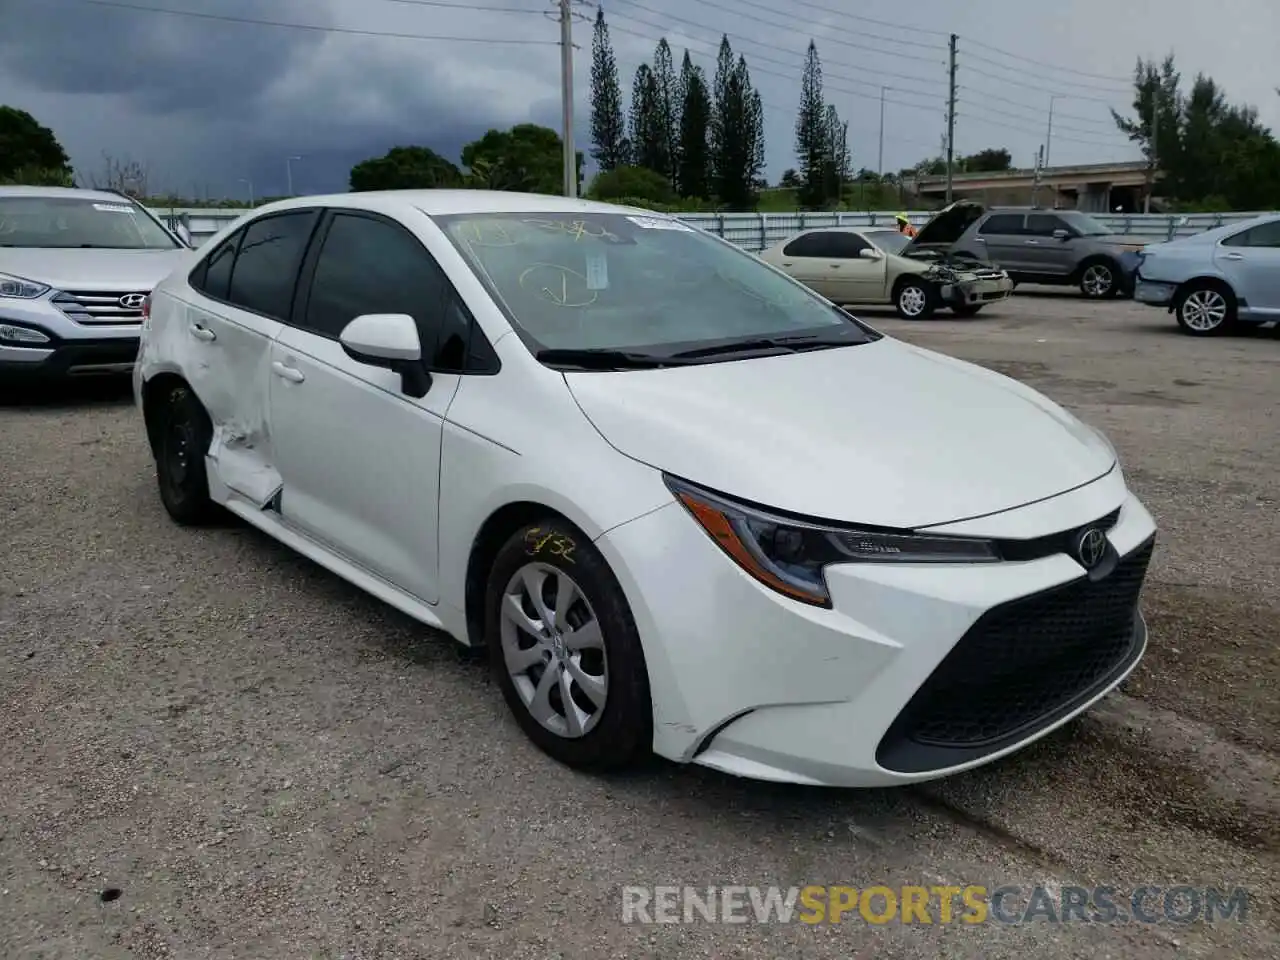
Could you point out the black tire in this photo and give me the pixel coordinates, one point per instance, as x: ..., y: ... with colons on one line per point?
x: 1099, y: 279
x: 182, y: 437
x: 1205, y: 294
x: 915, y: 291
x: 621, y: 736
x: 967, y: 309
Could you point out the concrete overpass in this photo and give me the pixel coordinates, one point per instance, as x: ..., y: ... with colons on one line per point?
x: 1095, y: 187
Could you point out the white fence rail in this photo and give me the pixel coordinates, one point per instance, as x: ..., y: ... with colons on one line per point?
x: 755, y: 231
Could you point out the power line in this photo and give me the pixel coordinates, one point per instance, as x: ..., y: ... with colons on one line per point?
x: 939, y: 47
x: 978, y: 118
x: 1023, y: 84
x: 1041, y: 63
x: 226, y: 18
x: 879, y: 23
x: 1021, y: 72
x: 795, y: 66
x: 988, y: 95
x: 1034, y: 119
x: 745, y: 39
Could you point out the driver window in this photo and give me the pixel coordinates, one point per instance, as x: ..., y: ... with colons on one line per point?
x: 847, y: 246
x: 1043, y: 225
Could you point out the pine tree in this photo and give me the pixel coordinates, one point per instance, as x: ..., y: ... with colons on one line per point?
x: 737, y: 132
x: 608, y: 128
x: 837, y: 161
x: 668, y: 105
x: 695, y: 121
x: 648, y: 138
x: 811, y: 133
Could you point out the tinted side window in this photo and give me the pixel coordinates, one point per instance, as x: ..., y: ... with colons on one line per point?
x: 213, y: 276
x: 847, y: 246
x: 372, y: 266
x: 1002, y: 223
x: 809, y: 245
x: 1043, y: 224
x: 266, y: 267
x: 1263, y: 235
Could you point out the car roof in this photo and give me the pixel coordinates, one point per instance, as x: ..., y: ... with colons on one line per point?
x: 107, y: 196
x: 452, y: 202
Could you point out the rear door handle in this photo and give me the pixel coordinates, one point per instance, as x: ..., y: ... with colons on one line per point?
x: 203, y: 333
x: 788, y: 263
x: 1233, y: 256
x: 835, y: 266
x: 1032, y: 243
x: 292, y: 374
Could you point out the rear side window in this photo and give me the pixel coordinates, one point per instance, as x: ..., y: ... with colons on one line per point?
x: 213, y: 276
x: 818, y: 244
x: 266, y: 266
x: 1263, y: 235
x: 1002, y: 223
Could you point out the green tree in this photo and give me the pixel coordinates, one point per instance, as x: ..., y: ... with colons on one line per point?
x: 991, y: 160
x: 811, y: 134
x: 405, y: 168
x: 632, y: 184
x: 610, y: 147
x: 837, y: 169
x: 1157, y: 107
x: 648, y: 138
x: 790, y: 178
x: 737, y: 132
x: 29, y: 147
x: 528, y: 158
x: 664, y: 75
x: 693, y: 180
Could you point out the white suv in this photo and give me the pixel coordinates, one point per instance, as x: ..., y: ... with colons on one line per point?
x: 76, y: 267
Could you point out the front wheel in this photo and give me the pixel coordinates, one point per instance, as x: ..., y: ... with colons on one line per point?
x: 914, y: 300
x: 1205, y: 310
x: 1098, y: 280
x: 565, y: 650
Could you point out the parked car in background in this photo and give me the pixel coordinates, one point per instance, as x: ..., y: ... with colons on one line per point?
x: 76, y: 267
x: 1057, y: 247
x: 689, y: 506
x: 1214, y: 281
x: 855, y: 266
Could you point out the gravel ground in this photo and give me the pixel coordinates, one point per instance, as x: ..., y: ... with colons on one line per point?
x: 251, y: 759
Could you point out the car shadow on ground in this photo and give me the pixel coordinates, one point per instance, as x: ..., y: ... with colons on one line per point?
x: 69, y: 394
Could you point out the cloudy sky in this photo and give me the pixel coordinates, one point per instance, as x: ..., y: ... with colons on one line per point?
x: 208, y: 104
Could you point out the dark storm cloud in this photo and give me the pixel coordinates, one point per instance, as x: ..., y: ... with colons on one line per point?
x: 161, y: 63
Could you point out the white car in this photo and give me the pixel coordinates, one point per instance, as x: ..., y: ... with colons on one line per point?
x: 687, y: 505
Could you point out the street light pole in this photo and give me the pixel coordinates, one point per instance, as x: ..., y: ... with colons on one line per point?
x: 288, y: 171
x: 880, y: 162
x: 250, y: 184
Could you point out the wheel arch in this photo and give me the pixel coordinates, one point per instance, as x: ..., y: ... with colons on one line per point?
x: 153, y: 389
x: 1201, y: 280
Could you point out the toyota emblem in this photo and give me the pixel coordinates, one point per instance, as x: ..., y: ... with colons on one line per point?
x: 133, y: 301
x: 1091, y: 547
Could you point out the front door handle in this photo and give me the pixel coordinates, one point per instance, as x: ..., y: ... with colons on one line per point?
x: 835, y: 266
x: 788, y: 263
x: 292, y: 374
x: 1233, y: 256
x: 202, y: 333
x: 1032, y: 243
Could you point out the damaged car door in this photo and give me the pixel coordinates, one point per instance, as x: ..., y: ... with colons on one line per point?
x: 244, y: 291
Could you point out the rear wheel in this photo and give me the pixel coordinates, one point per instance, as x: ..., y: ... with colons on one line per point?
x: 1205, y: 310
x: 914, y: 299
x: 182, y: 437
x: 565, y: 650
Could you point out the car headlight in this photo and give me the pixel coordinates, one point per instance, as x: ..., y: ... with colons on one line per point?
x: 790, y: 555
x: 19, y: 288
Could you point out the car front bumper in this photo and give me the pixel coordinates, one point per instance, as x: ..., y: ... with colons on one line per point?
x: 918, y: 671
x: 1154, y: 293
x: 975, y: 293
x: 68, y: 358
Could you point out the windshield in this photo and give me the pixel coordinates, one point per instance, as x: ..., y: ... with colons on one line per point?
x: 1084, y: 224
x: 890, y: 241
x: 644, y: 284
x: 69, y: 222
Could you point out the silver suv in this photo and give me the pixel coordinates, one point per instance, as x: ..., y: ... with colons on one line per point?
x: 1059, y: 247
x: 76, y: 267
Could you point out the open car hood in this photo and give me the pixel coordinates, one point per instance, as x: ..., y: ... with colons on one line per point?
x: 947, y: 225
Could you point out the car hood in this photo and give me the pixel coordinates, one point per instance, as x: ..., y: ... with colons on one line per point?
x: 883, y: 433
x: 1132, y: 241
x: 947, y: 225
x: 79, y: 269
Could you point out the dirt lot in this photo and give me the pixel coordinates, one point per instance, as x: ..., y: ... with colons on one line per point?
x: 253, y: 760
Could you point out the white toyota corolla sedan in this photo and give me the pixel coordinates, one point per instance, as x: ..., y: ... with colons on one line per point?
x: 687, y: 505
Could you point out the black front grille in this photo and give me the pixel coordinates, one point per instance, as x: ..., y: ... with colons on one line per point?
x: 1020, y: 667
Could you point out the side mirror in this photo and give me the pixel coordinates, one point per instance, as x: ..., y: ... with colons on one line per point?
x: 1061, y: 234
x: 870, y: 253
x: 388, y: 340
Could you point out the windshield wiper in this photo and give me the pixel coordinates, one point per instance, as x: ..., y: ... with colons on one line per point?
x: 590, y: 358
x: 784, y: 343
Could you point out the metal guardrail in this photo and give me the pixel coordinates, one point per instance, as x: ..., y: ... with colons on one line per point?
x: 755, y: 231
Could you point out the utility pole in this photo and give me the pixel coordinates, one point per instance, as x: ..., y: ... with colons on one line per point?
x: 880, y: 163
x: 566, y: 98
x: 288, y: 171
x: 250, y: 184
x: 1048, y: 137
x: 951, y: 111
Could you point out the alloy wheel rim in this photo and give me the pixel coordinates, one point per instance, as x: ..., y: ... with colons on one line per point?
x: 912, y: 301
x: 1097, y: 280
x: 553, y: 650
x: 1204, y: 310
